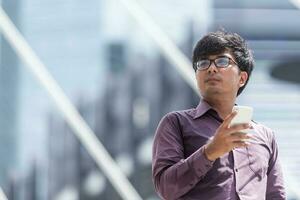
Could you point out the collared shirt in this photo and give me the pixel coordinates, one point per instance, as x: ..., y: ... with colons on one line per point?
x: 180, y: 169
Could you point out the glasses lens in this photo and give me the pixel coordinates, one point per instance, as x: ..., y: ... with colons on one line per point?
x: 222, y: 62
x: 203, y: 64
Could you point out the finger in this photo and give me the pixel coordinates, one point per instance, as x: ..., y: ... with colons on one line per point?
x: 238, y: 128
x: 239, y: 137
x: 240, y: 144
x: 241, y: 134
x: 229, y: 118
x: 251, y: 126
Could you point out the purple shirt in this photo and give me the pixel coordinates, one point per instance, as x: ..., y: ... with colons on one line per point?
x: 180, y: 170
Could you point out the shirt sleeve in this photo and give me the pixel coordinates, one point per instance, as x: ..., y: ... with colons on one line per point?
x: 275, y: 183
x: 173, y: 175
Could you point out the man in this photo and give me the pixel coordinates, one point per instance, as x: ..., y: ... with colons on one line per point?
x: 197, y: 154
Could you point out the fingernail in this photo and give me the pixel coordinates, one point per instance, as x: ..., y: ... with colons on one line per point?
x: 247, y: 143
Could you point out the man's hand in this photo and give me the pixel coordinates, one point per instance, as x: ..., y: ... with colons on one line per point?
x: 226, y: 138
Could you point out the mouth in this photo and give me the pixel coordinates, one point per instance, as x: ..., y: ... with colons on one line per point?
x: 212, y: 80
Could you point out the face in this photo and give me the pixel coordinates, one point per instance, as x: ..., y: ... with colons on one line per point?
x: 220, y: 81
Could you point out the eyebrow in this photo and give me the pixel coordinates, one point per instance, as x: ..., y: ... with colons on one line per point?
x: 220, y: 56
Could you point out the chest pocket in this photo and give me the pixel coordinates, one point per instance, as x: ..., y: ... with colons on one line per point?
x: 258, y: 157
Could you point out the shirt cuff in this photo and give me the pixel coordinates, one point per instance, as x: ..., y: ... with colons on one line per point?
x: 200, y: 163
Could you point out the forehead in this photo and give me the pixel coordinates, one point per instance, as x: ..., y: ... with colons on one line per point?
x: 224, y: 53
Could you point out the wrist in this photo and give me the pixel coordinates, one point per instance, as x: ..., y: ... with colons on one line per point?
x: 209, y: 153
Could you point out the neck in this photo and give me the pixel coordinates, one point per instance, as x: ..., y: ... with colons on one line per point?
x: 223, y: 106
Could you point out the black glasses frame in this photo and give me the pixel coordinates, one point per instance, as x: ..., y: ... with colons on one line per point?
x: 214, y: 61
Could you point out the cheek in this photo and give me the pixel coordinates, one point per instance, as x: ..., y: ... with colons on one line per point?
x: 234, y: 81
x: 230, y: 80
x: 231, y: 73
x: 199, y: 78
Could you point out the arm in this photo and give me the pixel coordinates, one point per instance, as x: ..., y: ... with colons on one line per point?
x: 275, y: 183
x: 173, y: 175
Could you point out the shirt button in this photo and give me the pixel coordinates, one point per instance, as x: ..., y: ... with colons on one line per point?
x: 236, y: 170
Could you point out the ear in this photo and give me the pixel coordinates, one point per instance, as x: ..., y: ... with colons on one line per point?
x: 243, y: 78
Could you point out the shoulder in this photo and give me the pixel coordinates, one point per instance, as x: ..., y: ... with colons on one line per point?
x: 180, y: 114
x: 177, y: 119
x: 264, y: 132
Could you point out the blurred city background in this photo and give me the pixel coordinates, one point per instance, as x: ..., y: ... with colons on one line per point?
x: 121, y: 81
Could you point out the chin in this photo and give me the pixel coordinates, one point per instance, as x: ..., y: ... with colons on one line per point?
x: 213, y: 88
x: 213, y: 91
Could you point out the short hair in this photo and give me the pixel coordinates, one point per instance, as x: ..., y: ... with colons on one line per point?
x: 219, y: 41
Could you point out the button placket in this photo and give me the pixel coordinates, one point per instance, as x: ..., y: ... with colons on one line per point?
x: 235, y: 171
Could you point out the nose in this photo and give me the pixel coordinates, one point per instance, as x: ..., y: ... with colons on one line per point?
x: 212, y: 68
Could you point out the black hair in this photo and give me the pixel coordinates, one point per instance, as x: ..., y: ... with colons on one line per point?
x: 219, y: 41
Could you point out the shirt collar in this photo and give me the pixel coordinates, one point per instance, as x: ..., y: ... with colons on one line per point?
x: 201, y: 109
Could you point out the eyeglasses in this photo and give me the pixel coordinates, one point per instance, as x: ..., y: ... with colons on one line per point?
x: 220, y: 62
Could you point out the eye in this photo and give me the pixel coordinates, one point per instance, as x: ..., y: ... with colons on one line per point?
x: 202, y: 64
x: 222, y: 62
